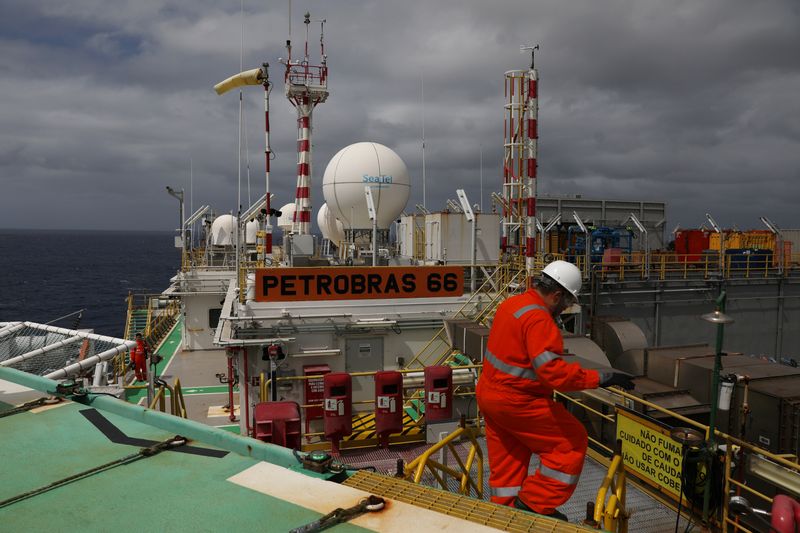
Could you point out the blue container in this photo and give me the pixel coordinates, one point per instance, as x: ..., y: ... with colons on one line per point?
x: 742, y: 258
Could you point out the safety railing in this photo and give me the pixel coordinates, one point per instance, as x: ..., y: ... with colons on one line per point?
x: 737, y: 452
x: 177, y: 404
x: 692, y: 266
x: 157, y: 325
x: 467, y: 482
x: 610, y: 512
x: 477, y: 308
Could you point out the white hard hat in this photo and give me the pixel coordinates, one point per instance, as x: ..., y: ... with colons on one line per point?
x: 565, y: 274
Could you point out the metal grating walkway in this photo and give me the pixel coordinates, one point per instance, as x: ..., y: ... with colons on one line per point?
x: 648, y: 515
x: 471, y: 509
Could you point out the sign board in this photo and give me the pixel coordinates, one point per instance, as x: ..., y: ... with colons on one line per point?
x: 357, y: 283
x: 649, y: 452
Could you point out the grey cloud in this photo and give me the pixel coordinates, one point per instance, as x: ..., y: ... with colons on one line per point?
x: 691, y: 103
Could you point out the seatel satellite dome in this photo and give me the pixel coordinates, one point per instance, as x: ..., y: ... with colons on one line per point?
x: 223, y: 230
x: 366, y: 164
x: 287, y: 214
x: 331, y: 227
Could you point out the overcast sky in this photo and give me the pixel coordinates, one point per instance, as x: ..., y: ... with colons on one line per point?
x: 695, y: 103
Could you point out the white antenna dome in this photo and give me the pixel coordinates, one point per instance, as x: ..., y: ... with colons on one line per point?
x: 287, y: 214
x: 331, y: 227
x: 250, y: 232
x: 360, y: 165
x: 223, y: 230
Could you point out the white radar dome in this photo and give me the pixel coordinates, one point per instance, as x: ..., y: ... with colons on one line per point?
x: 331, y: 227
x: 223, y: 230
x: 360, y: 165
x: 250, y: 232
x: 287, y: 214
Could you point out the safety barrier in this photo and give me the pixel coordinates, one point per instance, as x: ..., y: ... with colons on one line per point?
x: 441, y: 471
x: 737, y: 451
x: 610, y: 512
x: 177, y: 403
x: 694, y: 266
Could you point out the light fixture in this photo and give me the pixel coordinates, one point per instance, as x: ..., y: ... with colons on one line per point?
x: 717, y: 317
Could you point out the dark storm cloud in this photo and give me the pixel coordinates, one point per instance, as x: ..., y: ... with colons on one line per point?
x: 693, y: 103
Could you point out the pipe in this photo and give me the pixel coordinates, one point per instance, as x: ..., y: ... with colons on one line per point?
x: 40, y: 351
x: 267, y: 157
x: 232, y: 416
x: 11, y: 328
x: 99, y: 370
x: 91, y: 361
x: 246, y: 394
x: 209, y: 435
x: 83, y: 334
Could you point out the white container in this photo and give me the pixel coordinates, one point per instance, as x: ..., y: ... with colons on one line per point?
x: 448, y: 238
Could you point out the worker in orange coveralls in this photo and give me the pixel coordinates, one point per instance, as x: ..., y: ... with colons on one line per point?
x: 522, y: 367
x: 139, y: 356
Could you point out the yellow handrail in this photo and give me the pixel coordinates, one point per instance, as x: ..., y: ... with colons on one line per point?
x: 414, y: 470
x: 612, y: 514
x: 608, y: 512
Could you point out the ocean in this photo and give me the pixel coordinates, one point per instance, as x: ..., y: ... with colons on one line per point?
x: 48, y: 274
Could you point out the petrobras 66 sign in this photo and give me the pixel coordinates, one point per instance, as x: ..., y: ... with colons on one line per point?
x: 357, y: 283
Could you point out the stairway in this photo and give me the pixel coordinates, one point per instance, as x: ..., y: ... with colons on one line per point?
x: 137, y: 322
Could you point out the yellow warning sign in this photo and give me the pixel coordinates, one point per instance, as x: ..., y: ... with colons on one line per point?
x: 649, y: 451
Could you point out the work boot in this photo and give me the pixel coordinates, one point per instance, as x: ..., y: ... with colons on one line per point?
x: 519, y: 504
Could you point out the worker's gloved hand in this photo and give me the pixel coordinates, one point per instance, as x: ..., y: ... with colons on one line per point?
x: 610, y: 379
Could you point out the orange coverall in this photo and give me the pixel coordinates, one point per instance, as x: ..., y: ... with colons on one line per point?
x: 139, y: 356
x: 522, y: 367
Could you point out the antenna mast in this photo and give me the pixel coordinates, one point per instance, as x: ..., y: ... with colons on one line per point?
x: 306, y: 86
x: 520, y: 162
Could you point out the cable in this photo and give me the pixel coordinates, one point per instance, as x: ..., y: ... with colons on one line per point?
x: 172, y: 442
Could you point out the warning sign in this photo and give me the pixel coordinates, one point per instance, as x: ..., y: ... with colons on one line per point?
x: 649, y: 451
x: 357, y: 283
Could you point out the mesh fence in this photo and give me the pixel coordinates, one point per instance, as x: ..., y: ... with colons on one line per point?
x: 56, y: 354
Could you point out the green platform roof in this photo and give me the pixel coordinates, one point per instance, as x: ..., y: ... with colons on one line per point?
x: 182, y: 490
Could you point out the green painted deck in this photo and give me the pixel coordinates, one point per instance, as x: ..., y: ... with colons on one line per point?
x: 171, y: 491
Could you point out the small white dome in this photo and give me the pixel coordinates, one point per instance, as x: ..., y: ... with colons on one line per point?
x: 360, y: 165
x: 285, y: 220
x: 250, y: 231
x: 223, y: 230
x: 331, y: 227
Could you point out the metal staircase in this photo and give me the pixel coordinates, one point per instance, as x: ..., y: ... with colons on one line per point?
x: 479, y: 310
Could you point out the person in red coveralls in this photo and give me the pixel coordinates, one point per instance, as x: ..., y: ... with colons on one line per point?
x: 139, y: 356
x: 522, y: 367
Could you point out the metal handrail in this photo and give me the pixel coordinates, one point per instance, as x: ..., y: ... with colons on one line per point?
x: 612, y: 514
x: 721, y: 438
x: 177, y: 404
x: 415, y: 469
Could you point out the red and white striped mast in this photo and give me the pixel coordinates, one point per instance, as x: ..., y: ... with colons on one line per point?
x: 531, y: 152
x: 520, y: 164
x: 306, y: 86
x: 267, y: 158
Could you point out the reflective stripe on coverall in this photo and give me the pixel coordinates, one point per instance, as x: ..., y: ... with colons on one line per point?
x: 522, y: 367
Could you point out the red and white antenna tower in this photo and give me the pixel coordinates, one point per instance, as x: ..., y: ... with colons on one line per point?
x: 306, y: 86
x: 520, y: 163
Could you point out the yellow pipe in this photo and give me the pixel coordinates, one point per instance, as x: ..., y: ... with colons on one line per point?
x: 599, y: 507
x: 751, y: 490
